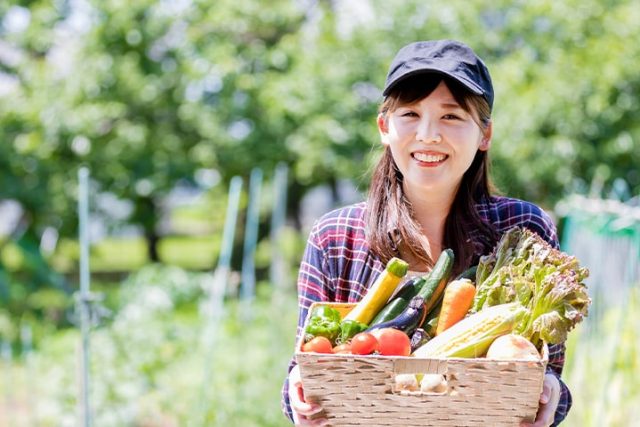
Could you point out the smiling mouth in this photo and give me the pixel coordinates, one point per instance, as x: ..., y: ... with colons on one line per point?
x: 430, y: 159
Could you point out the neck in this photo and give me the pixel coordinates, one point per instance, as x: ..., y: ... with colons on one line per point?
x: 431, y: 210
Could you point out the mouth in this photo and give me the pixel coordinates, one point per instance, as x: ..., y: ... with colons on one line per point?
x: 429, y: 159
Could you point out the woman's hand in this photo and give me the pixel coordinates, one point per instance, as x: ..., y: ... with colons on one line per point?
x: 549, y: 399
x: 301, y: 409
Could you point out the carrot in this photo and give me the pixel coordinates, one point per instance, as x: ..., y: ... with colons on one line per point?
x: 456, y: 302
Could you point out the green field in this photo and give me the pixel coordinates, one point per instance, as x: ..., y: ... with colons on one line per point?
x: 157, y: 362
x: 126, y: 254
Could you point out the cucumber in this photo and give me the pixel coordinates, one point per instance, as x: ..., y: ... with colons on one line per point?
x: 469, y: 273
x: 397, y: 305
x: 434, y: 286
x: 431, y: 321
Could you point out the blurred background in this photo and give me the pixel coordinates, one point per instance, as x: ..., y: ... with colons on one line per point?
x: 215, y: 133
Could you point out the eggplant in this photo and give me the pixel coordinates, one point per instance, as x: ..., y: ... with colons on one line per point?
x: 419, y: 337
x: 407, y: 321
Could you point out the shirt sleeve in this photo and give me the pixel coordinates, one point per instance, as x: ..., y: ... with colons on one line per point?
x: 543, y: 225
x: 555, y: 366
x: 313, y: 285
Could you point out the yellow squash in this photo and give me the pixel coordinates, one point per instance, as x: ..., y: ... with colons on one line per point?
x: 378, y: 295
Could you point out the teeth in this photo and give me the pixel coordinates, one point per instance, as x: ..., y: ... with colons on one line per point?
x: 431, y: 158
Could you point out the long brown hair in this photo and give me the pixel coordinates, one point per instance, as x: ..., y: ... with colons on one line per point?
x: 390, y: 220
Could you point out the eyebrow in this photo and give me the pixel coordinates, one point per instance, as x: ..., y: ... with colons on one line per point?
x: 446, y: 104
x: 451, y: 105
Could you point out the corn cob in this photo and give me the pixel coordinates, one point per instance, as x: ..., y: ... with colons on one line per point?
x: 472, y: 336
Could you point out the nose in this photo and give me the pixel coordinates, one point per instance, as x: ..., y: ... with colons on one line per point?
x: 427, y: 131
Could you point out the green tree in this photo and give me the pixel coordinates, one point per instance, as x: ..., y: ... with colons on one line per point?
x: 147, y: 94
x: 154, y: 90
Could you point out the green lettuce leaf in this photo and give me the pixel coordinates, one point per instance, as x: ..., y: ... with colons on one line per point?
x: 547, y: 282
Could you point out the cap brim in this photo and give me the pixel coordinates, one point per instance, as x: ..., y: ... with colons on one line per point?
x: 472, y: 86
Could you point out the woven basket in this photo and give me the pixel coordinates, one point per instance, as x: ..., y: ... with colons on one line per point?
x: 360, y: 390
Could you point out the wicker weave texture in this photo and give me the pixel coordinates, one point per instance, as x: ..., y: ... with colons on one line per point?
x: 360, y: 390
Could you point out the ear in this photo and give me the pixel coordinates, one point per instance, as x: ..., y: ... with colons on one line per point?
x: 485, y: 142
x: 383, y: 128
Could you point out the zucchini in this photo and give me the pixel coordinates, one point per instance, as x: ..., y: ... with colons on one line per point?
x: 379, y: 293
x: 409, y: 290
x: 431, y: 321
x: 436, y: 281
x: 399, y: 302
x: 469, y: 273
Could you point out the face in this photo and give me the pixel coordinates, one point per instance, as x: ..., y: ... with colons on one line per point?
x: 433, y: 142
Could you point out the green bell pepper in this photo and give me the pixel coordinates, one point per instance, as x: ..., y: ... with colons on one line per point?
x: 324, y: 322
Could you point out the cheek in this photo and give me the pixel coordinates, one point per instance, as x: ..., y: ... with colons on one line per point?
x: 396, y: 153
x: 400, y: 158
x: 470, y: 154
x: 467, y: 141
x: 399, y: 130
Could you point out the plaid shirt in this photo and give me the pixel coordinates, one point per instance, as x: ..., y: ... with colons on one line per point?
x: 338, y: 266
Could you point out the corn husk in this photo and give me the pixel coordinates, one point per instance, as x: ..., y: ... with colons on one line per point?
x: 472, y: 336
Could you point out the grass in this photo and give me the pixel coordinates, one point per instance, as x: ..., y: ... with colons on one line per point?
x: 194, y: 252
x: 603, y: 368
x: 157, y: 363
x: 126, y: 254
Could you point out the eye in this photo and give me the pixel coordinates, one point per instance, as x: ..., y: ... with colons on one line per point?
x: 409, y: 114
x: 451, y: 117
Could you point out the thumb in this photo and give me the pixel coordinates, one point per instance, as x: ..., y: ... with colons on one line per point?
x: 546, y: 394
x: 295, y: 382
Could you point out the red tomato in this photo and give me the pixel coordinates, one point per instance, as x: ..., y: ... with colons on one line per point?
x: 318, y: 345
x: 364, y: 343
x: 342, y: 349
x: 392, y: 342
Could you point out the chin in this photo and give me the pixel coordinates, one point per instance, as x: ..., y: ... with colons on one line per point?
x: 433, y: 186
x: 428, y: 187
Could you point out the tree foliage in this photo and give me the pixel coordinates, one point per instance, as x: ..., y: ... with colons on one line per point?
x: 148, y: 93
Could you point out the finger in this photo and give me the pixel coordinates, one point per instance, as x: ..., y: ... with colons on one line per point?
x: 298, y: 404
x: 313, y: 423
x: 548, y: 403
x: 296, y: 395
x: 295, y: 382
x: 544, y: 417
x: 306, y: 409
x: 300, y: 407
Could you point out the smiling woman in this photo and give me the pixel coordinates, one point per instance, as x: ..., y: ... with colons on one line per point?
x: 430, y: 191
x: 436, y: 136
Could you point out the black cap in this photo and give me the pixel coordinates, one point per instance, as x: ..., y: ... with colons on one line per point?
x: 448, y: 57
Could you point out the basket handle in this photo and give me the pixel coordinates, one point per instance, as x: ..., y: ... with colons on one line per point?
x: 431, y: 374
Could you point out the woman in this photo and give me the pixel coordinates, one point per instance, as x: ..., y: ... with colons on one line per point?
x: 429, y: 191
